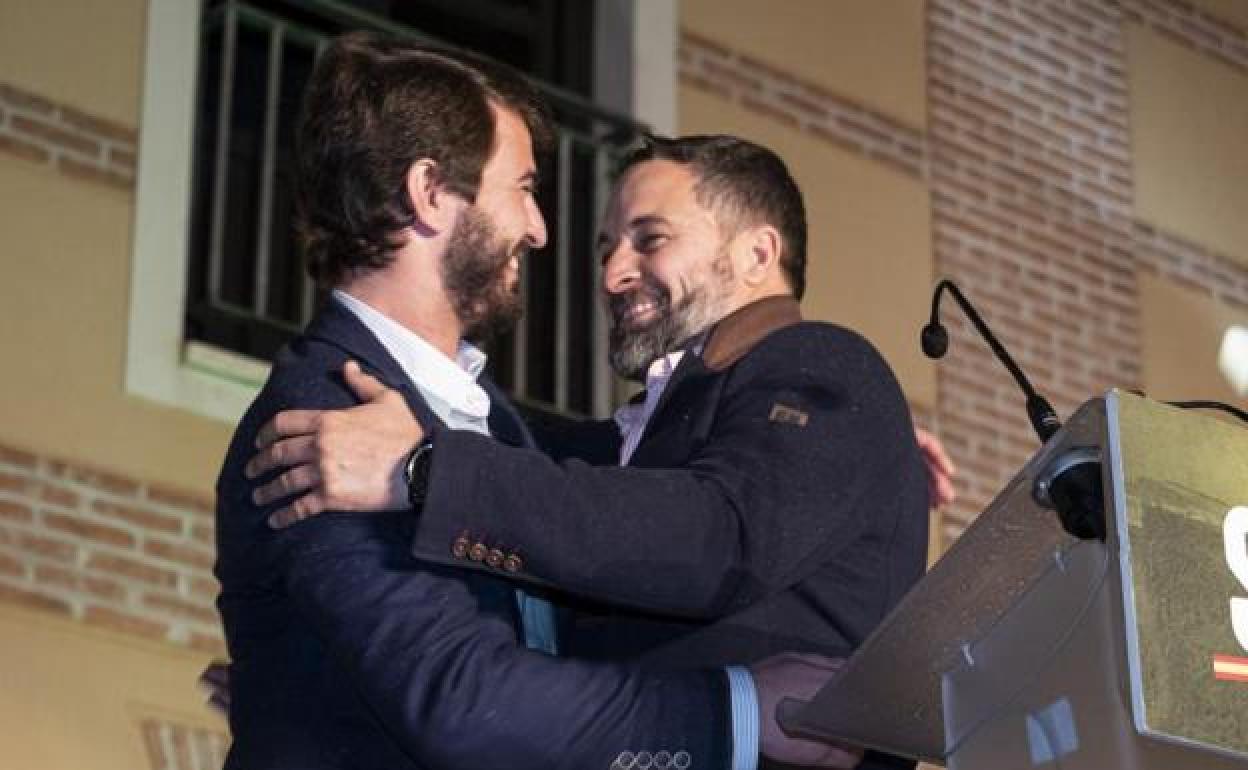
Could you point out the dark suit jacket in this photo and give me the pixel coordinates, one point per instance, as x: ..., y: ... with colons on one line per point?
x: 777, y: 501
x: 349, y: 652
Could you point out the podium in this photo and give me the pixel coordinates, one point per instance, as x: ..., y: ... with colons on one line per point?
x: 1025, y: 647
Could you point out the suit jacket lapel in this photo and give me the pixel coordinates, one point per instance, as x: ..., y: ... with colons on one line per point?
x: 689, y: 369
x: 724, y: 344
x: 506, y: 424
x: 338, y: 326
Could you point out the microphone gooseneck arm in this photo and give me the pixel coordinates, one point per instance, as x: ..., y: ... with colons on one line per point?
x: 1072, y: 486
x: 935, y: 342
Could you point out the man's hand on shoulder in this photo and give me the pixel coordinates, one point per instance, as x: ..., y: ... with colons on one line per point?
x: 940, y: 469
x: 342, y: 460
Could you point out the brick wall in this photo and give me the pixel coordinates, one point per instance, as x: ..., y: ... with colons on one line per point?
x: 105, y: 550
x: 1027, y: 158
x: 1031, y: 209
x: 799, y: 104
x: 74, y: 143
x: 108, y: 551
x: 174, y: 746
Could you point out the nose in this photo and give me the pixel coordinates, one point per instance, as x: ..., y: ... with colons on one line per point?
x: 535, y: 231
x: 621, y: 270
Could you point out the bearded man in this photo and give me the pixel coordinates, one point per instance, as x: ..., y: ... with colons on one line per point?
x: 767, y: 493
x: 415, y: 180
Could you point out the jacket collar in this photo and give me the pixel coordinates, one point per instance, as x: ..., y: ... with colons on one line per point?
x: 727, y: 342
x: 338, y: 326
x: 740, y: 331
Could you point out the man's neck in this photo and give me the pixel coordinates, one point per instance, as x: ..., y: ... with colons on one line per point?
x: 437, y: 326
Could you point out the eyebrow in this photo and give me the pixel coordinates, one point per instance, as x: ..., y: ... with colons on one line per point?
x: 646, y: 219
x: 634, y: 224
x: 530, y: 176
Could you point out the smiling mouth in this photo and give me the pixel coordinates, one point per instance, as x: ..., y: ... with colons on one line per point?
x: 639, y: 313
x: 640, y: 308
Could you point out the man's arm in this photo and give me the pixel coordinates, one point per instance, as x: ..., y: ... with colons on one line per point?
x: 454, y: 688
x: 757, y: 507
x: 448, y: 681
x: 597, y: 442
x: 351, y: 460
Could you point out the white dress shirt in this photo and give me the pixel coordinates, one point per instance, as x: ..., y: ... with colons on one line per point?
x: 451, y: 390
x: 448, y: 386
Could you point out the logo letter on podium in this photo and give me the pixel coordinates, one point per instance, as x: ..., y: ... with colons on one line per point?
x: 1235, y: 534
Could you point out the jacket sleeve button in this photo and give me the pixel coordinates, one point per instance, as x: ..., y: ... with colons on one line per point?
x: 477, y: 552
x: 459, y: 548
x: 513, y: 563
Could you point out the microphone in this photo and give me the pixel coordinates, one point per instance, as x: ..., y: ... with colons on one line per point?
x: 1073, y: 487
x: 935, y: 342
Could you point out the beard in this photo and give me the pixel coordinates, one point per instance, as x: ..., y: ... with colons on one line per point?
x: 634, y: 345
x: 474, y: 272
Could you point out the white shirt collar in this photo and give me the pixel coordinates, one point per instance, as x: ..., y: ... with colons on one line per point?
x: 661, y: 369
x: 631, y: 419
x: 449, y: 386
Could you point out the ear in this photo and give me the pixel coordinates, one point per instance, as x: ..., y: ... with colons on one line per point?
x: 756, y: 254
x: 435, y: 207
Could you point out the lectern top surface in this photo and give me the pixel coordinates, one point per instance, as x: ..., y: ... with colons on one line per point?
x: 1181, y: 483
x: 889, y: 695
x: 1176, y: 488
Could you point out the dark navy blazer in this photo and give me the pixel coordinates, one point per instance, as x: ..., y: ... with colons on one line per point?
x: 777, y: 501
x: 348, y: 652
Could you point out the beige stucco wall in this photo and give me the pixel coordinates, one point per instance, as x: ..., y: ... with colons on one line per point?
x: 64, y: 311
x: 66, y: 257
x: 869, y: 52
x: 1181, y: 332
x: 870, y: 263
x: 1189, y: 128
x: 73, y: 697
x: 85, y: 54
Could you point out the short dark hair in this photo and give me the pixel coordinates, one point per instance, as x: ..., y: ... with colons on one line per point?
x: 375, y: 105
x: 747, y: 181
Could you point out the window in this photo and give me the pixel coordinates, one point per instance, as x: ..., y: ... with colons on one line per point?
x: 166, y: 365
x: 246, y: 289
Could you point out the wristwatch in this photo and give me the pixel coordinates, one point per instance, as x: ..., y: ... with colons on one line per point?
x: 416, y: 473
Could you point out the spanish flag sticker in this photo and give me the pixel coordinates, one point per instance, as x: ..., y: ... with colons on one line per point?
x: 1230, y: 669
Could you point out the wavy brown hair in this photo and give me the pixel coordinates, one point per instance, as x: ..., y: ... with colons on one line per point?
x: 374, y: 106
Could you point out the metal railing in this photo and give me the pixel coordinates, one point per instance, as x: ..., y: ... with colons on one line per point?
x: 249, y: 292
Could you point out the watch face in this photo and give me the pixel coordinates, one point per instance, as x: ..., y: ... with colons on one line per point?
x: 417, y: 473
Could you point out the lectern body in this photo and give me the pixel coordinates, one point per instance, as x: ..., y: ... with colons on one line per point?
x: 1026, y: 648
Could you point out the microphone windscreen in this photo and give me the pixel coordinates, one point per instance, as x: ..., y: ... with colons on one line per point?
x: 934, y: 340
